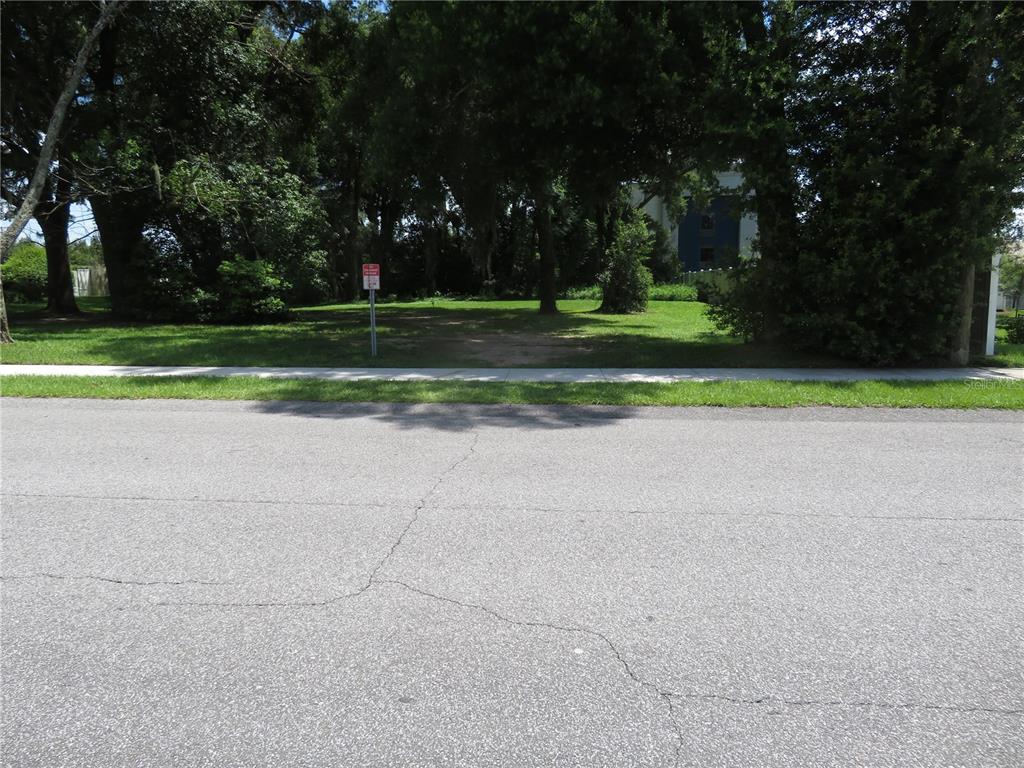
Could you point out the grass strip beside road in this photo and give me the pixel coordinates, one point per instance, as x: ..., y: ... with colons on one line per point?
x: 772, y: 394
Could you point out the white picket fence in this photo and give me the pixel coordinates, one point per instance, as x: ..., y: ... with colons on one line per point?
x: 90, y: 281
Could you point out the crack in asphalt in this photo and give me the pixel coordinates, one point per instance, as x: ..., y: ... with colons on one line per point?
x: 109, y: 580
x: 372, y: 580
x: 664, y: 696
x: 373, y: 573
x: 419, y: 507
x: 770, y: 700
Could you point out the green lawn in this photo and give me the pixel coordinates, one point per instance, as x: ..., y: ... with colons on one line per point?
x: 1010, y: 355
x: 894, y: 394
x: 441, y: 333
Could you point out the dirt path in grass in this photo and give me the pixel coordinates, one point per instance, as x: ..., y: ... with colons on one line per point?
x: 502, y: 349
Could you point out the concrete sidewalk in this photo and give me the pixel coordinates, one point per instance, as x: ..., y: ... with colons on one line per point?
x: 568, y: 375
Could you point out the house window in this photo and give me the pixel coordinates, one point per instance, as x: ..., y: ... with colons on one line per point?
x: 707, y: 255
x: 707, y: 222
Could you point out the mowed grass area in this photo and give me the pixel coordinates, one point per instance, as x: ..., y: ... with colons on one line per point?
x: 891, y: 394
x: 442, y: 333
x: 433, y: 333
x: 1007, y: 354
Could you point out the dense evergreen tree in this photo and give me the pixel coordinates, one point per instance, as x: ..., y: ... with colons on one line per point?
x: 899, y: 157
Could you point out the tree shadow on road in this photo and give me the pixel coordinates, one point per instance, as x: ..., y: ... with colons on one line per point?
x: 455, y: 417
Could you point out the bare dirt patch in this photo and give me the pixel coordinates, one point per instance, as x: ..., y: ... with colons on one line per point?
x: 505, y: 349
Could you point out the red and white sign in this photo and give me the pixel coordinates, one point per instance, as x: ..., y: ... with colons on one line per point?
x: 371, y: 277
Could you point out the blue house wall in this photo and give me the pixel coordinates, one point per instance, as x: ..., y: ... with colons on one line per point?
x: 723, y: 237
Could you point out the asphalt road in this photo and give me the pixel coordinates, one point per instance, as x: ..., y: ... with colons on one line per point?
x: 271, y: 584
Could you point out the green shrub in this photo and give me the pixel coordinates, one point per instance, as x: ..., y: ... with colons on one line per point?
x: 737, y: 306
x: 1015, y: 330
x: 250, y: 291
x: 663, y: 292
x: 626, y: 283
x: 157, y: 282
x: 199, y: 305
x: 592, y: 292
x: 85, y: 253
x: 674, y: 292
x: 24, y: 273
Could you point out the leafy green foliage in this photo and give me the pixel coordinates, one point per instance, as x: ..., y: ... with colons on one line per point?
x: 194, y: 145
x: 261, y: 211
x: 1015, y: 329
x: 250, y: 292
x: 674, y: 292
x: 1011, y: 272
x: 24, y: 273
x: 85, y: 253
x: 626, y: 283
x: 738, y: 307
x: 659, y: 292
x: 910, y: 162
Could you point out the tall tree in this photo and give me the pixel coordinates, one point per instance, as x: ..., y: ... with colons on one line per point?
x: 197, y: 111
x: 905, y: 148
x: 768, y: 69
x: 27, y: 207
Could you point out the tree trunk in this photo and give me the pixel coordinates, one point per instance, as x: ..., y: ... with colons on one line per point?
x: 601, y: 228
x: 121, y: 228
x: 354, y: 258
x: 53, y: 217
x: 478, y: 198
x: 960, y: 349
x: 5, y: 329
x: 60, y: 295
x: 432, y: 256
x: 547, y: 288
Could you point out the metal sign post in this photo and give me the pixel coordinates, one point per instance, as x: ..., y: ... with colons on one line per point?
x: 373, y: 323
x: 371, y: 283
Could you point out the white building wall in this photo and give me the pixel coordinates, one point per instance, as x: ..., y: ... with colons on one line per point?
x: 658, y: 211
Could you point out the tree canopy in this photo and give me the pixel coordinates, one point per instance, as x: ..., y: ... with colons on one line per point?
x: 240, y: 158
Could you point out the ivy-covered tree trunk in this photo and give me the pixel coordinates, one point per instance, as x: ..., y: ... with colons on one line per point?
x: 547, y: 287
